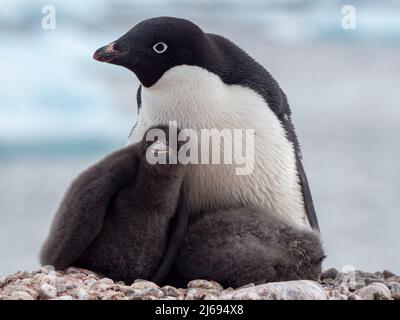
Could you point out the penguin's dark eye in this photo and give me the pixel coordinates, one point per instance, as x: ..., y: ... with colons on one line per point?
x: 160, y: 47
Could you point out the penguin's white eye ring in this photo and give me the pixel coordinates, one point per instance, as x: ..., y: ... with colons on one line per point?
x: 160, y: 47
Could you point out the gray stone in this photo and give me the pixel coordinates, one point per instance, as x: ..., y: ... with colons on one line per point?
x: 388, y: 274
x: 217, y: 286
x: 20, y: 295
x: 336, y: 295
x: 250, y: 285
x: 170, y: 291
x: 47, y: 291
x: 394, y: 290
x: 290, y: 290
x: 372, y: 280
x: 143, y: 285
x: 202, y: 284
x: 47, y: 269
x: 106, y: 281
x: 209, y: 296
x: 156, y: 292
x: 246, y: 294
x: 354, y: 296
x: 331, y: 273
x: 393, y: 279
x: 150, y: 298
x: 168, y: 298
x: 374, y: 291
x: 112, y: 295
x: 65, y: 297
x: 195, y: 294
x: 379, y: 275
x: 82, y: 294
x: 89, y: 282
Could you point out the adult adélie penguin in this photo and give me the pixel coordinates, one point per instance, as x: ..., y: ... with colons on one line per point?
x: 204, y: 80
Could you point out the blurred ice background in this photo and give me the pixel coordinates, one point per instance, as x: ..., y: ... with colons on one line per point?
x: 60, y: 111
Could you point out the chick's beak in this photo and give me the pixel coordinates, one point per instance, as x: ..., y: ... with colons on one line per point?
x: 108, y: 53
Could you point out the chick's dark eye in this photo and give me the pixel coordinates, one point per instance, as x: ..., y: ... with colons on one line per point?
x: 160, y: 47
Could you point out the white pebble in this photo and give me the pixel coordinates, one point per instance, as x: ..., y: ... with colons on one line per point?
x: 65, y: 297
x: 194, y: 294
x: 47, y: 291
x: 47, y: 269
x: 89, y: 282
x: 82, y: 294
x: 20, y: 295
x: 143, y: 284
x: 106, y: 281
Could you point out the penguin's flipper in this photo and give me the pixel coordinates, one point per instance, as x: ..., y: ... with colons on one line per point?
x: 139, y: 105
x: 139, y: 97
x: 79, y: 218
x: 308, y: 201
x: 178, y: 228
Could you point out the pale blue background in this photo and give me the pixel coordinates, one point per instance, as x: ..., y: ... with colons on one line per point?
x: 60, y: 111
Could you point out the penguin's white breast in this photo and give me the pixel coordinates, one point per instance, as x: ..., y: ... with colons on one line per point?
x: 198, y: 99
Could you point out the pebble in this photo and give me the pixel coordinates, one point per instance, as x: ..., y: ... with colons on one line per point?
x: 82, y: 294
x: 112, y: 295
x: 393, y: 279
x: 203, y: 284
x: 81, y: 284
x: 143, y: 285
x: 69, y: 283
x: 47, y: 269
x: 245, y: 295
x: 81, y: 272
x: 374, y: 291
x: 20, y: 295
x: 195, y: 294
x: 354, y: 296
x: 63, y: 298
x: 331, y: 273
x: 150, y: 298
x: 170, y: 291
x: 168, y: 298
x: 394, y: 290
x: 106, y: 281
x: 245, y: 286
x: 388, y: 274
x: 336, y: 295
x: 209, y: 296
x: 89, y: 282
x: 47, y: 291
x: 292, y: 290
x: 156, y: 292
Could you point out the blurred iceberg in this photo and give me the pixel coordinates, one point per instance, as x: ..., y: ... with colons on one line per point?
x: 54, y: 95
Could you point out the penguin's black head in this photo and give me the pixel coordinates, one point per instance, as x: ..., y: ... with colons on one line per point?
x: 154, y: 46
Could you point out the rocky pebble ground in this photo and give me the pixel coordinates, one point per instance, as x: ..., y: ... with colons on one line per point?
x: 81, y: 284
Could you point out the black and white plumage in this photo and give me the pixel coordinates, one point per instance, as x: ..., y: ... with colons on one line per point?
x: 204, y: 80
x: 121, y: 217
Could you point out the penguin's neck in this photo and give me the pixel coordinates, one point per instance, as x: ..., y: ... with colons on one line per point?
x: 198, y: 99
